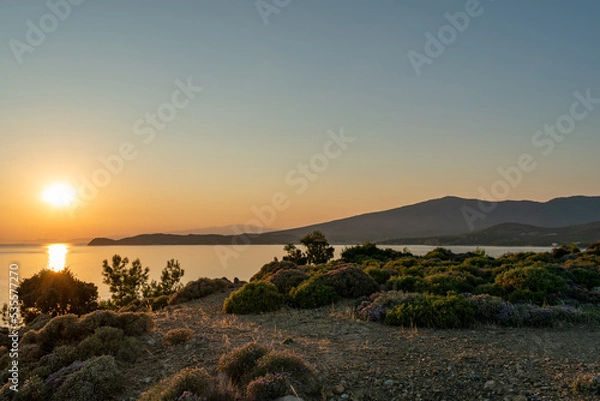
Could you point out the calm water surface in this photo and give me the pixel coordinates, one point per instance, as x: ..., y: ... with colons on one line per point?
x: 197, y: 260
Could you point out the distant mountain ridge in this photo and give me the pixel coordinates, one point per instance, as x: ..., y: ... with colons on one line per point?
x: 513, y: 234
x: 446, y: 216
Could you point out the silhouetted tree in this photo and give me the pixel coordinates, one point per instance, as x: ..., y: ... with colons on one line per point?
x: 294, y: 255
x: 318, y: 249
x: 125, y: 284
x: 170, y: 281
x: 56, y: 293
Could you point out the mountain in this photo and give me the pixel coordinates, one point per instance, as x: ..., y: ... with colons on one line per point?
x: 434, y: 218
x: 513, y: 234
x: 226, y: 230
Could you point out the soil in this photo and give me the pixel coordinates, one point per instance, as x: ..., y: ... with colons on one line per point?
x: 360, y: 360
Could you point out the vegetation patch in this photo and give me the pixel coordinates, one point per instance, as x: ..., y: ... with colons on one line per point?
x: 350, y: 281
x: 199, y: 289
x: 178, y: 336
x: 313, y: 293
x: 254, y: 297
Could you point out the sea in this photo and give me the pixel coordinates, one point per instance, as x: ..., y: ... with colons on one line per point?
x: 240, y: 261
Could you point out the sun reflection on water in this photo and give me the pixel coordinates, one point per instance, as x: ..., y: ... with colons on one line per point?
x: 57, y: 256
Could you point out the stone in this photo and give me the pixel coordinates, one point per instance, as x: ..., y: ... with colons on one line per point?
x: 489, y: 385
x: 338, y: 390
x: 388, y: 383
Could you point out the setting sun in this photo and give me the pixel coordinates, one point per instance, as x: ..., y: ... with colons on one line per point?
x: 59, y: 195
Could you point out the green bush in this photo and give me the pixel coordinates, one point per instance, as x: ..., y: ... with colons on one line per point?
x: 369, y: 251
x: 532, y: 283
x: 178, y: 336
x: 452, y: 311
x: 286, y: 279
x: 586, y: 277
x: 199, y: 289
x: 441, y: 284
x: 272, y: 268
x: 350, y: 281
x: 239, y: 362
x: 407, y: 284
x: 313, y: 293
x: 97, y: 379
x: 381, y: 276
x: 254, y: 297
x: 193, y: 381
x: 440, y: 253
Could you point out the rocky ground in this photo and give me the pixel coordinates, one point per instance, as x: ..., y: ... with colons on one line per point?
x: 369, y: 361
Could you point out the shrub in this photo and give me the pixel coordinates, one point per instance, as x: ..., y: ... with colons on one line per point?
x: 374, y: 310
x: 407, y: 284
x: 350, y: 281
x: 90, y: 322
x: 110, y: 341
x: 268, y: 387
x: 135, y: 324
x: 254, y: 297
x: 487, y: 308
x: 313, y: 293
x: 490, y: 289
x: 159, y: 302
x: 287, y: 279
x: 440, y: 253
x: 178, y: 336
x: 56, y: 293
x: 587, y: 277
x: 452, y: 311
x: 381, y: 276
x: 188, y: 382
x: 369, y: 251
x: 241, y: 361
x: 455, y: 281
x: 272, y: 268
x: 199, y: 289
x: 300, y: 375
x: 60, y: 357
x: 137, y: 305
x: 34, y: 389
x: 533, y: 283
x: 97, y: 379
x: 58, y: 331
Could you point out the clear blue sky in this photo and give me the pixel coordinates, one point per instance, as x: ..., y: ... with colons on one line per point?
x: 270, y: 94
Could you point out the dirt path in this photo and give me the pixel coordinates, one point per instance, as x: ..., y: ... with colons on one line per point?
x: 376, y: 362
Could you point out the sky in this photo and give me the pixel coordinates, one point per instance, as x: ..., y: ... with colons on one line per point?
x: 166, y: 116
